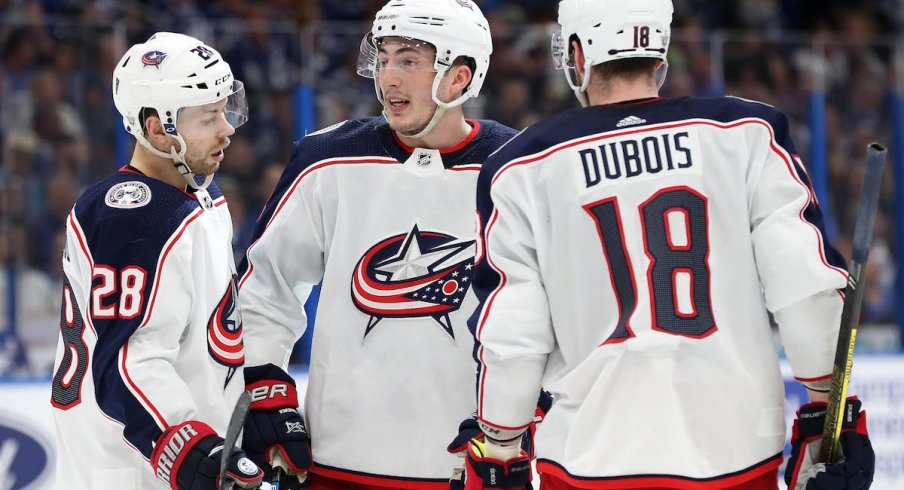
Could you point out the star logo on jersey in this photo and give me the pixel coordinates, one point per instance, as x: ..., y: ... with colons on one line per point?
x: 224, y: 332
x: 415, y: 274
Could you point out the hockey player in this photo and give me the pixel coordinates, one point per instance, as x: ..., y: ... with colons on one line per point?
x: 148, y: 365
x: 632, y: 249
x: 380, y: 210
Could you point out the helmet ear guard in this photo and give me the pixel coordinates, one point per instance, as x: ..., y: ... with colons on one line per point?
x: 455, y: 28
x: 168, y: 73
x: 611, y: 30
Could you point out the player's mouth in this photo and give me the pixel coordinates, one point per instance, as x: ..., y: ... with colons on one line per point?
x: 218, y: 156
x: 397, y: 104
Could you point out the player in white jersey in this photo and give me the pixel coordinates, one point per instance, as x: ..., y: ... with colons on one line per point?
x: 380, y: 210
x: 631, y: 252
x: 148, y: 364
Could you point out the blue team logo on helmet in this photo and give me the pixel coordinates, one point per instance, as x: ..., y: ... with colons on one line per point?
x: 224, y: 331
x: 153, y: 58
x: 415, y: 274
x: 26, y: 456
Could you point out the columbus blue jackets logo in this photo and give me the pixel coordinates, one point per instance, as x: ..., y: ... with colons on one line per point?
x: 415, y: 274
x: 153, y: 58
x: 224, y: 332
x: 127, y: 195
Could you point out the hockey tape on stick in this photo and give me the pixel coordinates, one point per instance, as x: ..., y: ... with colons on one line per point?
x: 853, y: 298
x: 236, y: 423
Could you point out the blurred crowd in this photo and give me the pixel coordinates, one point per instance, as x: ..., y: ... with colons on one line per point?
x: 59, y: 130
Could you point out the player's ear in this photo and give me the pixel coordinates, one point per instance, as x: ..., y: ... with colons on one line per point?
x: 463, y: 76
x: 578, y: 54
x: 153, y: 128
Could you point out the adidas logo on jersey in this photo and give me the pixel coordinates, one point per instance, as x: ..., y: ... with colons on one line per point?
x: 630, y: 121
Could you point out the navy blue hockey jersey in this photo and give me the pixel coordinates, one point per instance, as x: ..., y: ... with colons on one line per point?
x: 151, y: 333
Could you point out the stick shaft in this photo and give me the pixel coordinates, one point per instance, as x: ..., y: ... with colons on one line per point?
x: 853, y: 299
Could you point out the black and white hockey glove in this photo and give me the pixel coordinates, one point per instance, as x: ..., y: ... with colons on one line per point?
x: 275, y: 435
x: 187, y: 457
x: 854, y: 472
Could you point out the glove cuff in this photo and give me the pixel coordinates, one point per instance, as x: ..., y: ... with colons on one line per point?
x: 271, y: 388
x: 174, y: 445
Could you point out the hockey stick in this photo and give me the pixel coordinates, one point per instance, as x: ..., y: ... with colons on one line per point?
x: 236, y: 424
x: 853, y: 298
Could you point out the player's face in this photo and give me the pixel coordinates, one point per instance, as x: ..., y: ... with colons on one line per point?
x: 405, y: 73
x: 206, y: 132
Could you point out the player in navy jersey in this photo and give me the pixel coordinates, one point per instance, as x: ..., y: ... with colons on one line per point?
x: 149, y: 361
x: 381, y: 211
x: 631, y: 252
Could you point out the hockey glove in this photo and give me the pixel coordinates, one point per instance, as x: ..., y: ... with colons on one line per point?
x: 469, y: 429
x: 484, y: 472
x: 187, y: 457
x: 275, y: 433
x: 854, y: 472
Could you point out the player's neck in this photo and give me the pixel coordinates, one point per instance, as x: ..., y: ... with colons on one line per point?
x: 451, y: 130
x: 156, y: 167
x: 618, y: 90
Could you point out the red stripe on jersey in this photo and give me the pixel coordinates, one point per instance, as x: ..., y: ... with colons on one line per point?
x: 810, y: 380
x: 294, y: 186
x: 369, y: 479
x: 147, y: 317
x: 172, y: 242
x: 161, y: 422
x: 761, y: 476
x: 475, y: 128
x: 773, y: 146
x: 486, y: 311
x: 465, y: 168
x: 77, y: 231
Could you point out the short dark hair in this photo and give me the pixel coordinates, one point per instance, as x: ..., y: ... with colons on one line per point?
x: 629, y: 68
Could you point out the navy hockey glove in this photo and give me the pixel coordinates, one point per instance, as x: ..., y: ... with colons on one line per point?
x: 187, y: 457
x: 854, y: 472
x: 482, y: 472
x: 274, y: 431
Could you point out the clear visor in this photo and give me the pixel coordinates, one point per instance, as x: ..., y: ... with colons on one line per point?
x: 394, y: 53
x: 218, y: 118
x: 561, y: 56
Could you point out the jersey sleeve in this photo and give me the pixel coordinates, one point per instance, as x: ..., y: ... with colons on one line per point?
x: 512, y: 327
x: 283, y: 263
x: 139, y: 295
x: 800, y: 271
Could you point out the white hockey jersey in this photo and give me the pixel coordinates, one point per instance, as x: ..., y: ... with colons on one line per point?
x: 631, y: 254
x: 389, y: 230
x: 151, y: 334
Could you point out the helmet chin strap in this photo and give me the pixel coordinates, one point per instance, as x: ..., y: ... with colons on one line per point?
x: 179, y: 162
x: 438, y: 113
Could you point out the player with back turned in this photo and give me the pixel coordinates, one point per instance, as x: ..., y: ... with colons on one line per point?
x: 149, y: 361
x: 381, y: 210
x: 632, y: 251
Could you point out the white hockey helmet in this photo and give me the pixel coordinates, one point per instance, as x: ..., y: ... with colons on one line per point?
x: 455, y: 28
x: 170, y: 72
x: 611, y: 30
